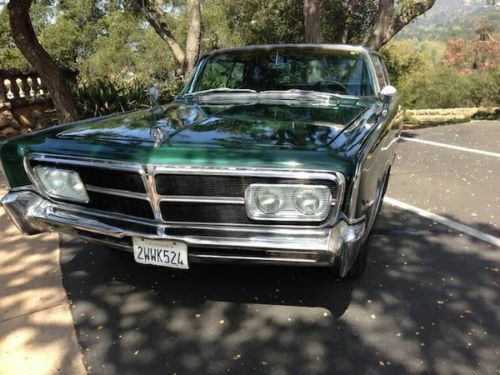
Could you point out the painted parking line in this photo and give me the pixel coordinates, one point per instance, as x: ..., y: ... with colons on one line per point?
x: 445, y: 221
x: 452, y: 147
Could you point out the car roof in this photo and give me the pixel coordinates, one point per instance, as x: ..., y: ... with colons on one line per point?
x: 339, y: 47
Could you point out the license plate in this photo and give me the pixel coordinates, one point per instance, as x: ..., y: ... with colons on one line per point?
x: 163, y: 253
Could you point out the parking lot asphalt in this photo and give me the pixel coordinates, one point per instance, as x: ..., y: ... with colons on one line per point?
x: 461, y: 185
x: 428, y: 302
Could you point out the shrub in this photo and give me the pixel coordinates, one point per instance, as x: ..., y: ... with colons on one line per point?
x: 446, y: 88
x: 101, y: 97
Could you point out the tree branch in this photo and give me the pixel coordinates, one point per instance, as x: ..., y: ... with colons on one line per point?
x: 26, y: 40
x: 389, y: 21
x: 193, y: 36
x: 153, y: 12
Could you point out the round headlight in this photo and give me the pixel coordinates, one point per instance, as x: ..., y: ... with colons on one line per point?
x: 56, y: 180
x: 309, y: 201
x: 269, y: 200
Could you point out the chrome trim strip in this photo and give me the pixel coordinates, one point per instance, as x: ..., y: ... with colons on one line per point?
x: 121, y: 193
x: 245, y: 171
x: 148, y: 173
x: 103, y: 214
x: 253, y: 258
x: 257, y: 228
x: 21, y: 188
x: 150, y: 185
x: 99, y: 163
x: 325, y: 46
x: 353, y: 221
x: 356, y: 179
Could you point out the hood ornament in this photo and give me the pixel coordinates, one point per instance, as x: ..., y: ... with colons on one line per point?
x: 158, y: 135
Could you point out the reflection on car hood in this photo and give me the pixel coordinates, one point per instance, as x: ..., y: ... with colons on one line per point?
x: 238, y: 126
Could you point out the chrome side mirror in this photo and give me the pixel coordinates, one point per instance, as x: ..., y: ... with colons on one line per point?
x: 387, y: 93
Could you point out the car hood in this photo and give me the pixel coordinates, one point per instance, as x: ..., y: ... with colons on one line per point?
x: 232, y: 126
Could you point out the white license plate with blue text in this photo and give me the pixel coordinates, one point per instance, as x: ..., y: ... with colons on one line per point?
x: 163, y: 253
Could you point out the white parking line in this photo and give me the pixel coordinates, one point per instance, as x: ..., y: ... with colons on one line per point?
x: 445, y: 221
x: 457, y: 148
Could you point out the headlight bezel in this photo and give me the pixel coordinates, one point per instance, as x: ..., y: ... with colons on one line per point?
x: 288, y: 215
x: 49, y: 192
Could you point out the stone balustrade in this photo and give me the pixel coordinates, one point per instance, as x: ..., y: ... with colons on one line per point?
x: 20, y: 86
x: 24, y: 102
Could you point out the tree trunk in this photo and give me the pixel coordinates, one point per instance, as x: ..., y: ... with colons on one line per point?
x: 388, y: 23
x: 312, y: 21
x: 154, y: 14
x: 27, y: 42
x: 193, y: 37
x: 349, y: 16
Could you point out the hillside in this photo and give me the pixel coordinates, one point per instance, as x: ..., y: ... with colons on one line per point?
x: 452, y: 19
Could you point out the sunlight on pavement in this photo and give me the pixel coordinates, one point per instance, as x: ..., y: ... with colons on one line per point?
x: 36, y: 329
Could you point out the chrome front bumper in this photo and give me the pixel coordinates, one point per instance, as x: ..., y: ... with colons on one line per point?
x: 33, y: 214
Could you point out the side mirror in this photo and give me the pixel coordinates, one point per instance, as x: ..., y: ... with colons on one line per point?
x: 387, y: 93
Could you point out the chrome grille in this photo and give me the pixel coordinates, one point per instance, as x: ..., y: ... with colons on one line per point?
x: 222, y: 186
x: 182, y: 196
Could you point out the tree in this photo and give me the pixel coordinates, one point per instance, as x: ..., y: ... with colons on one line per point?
x: 390, y: 19
x: 312, y: 21
x: 349, y: 18
x: 154, y: 12
x: 352, y: 16
x: 26, y: 40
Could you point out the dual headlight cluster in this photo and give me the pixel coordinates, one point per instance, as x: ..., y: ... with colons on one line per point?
x: 277, y: 202
x: 61, y: 184
x: 288, y: 202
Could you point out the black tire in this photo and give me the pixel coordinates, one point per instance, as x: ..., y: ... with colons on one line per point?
x: 359, y: 266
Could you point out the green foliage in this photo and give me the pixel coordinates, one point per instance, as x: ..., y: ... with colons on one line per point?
x: 101, y: 97
x: 10, y: 57
x: 400, y: 60
x: 419, y: 72
x: 243, y: 22
x: 333, y: 14
x: 125, y: 46
x: 445, y: 87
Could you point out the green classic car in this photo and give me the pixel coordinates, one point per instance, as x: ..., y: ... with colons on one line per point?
x: 275, y: 154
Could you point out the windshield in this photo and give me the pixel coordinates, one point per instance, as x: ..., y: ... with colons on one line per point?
x: 324, y: 70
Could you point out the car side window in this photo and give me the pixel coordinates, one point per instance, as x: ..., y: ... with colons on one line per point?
x: 380, y: 71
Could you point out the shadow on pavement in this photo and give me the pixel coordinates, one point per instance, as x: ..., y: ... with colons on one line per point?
x: 428, y: 303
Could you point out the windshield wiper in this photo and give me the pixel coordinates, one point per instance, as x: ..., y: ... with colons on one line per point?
x: 296, y: 93
x: 248, y: 96
x: 218, y: 90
